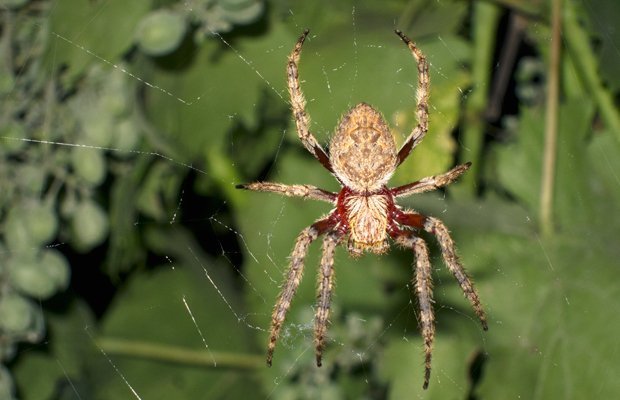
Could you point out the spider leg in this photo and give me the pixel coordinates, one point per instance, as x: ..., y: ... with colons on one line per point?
x: 422, y: 93
x: 298, y: 105
x: 431, y: 182
x: 448, y: 251
x: 304, y: 191
x: 326, y: 282
x: 293, y: 278
x: 424, y: 290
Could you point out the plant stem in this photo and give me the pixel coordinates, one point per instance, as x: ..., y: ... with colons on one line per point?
x: 580, y: 51
x: 551, y: 123
x: 484, y: 26
x: 178, y: 355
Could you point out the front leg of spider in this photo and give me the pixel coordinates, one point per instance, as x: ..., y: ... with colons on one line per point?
x: 363, y: 156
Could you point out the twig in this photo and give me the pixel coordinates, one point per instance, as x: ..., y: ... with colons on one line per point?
x: 581, y: 54
x: 551, y: 123
x: 178, y: 355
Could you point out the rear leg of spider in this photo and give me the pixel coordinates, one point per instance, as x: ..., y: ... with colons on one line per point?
x: 424, y: 288
x: 423, y: 275
x: 448, y: 252
x: 424, y: 291
x: 292, y: 280
x: 451, y: 259
x: 324, y: 292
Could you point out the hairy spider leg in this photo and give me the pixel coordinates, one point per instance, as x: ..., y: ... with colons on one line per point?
x: 303, y: 191
x: 422, y: 94
x: 423, y: 285
x: 448, y: 251
x: 324, y: 291
x: 298, y: 105
x: 431, y: 183
x: 451, y: 259
x: 293, y: 277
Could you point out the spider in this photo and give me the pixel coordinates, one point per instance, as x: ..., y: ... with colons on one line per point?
x: 363, y: 157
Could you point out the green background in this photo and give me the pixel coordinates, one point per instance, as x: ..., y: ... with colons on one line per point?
x: 134, y: 149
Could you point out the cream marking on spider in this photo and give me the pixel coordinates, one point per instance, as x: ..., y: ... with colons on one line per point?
x: 367, y: 216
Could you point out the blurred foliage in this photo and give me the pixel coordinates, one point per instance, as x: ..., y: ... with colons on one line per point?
x: 126, y: 125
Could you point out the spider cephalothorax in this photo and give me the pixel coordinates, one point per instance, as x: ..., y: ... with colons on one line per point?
x: 363, y: 156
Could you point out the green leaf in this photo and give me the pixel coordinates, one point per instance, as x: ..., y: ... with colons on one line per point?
x: 520, y: 163
x: 160, y: 32
x: 159, y: 190
x: 90, y: 225
x: 16, y: 314
x: 602, y: 16
x: 153, y: 310
x: 60, y: 360
x: 547, y: 336
x: 603, y: 167
x: 218, y: 90
x: 403, y: 366
x: 86, y: 32
x: 39, y: 275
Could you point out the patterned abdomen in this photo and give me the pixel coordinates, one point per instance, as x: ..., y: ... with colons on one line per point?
x: 363, y: 151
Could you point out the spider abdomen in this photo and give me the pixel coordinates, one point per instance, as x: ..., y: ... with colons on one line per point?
x: 363, y: 151
x: 367, y: 217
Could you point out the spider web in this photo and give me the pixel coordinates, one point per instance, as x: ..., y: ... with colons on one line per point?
x: 214, y: 292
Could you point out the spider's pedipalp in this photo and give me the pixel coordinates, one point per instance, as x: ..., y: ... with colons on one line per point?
x: 422, y: 93
x: 325, y: 286
x: 303, y: 191
x: 298, y: 105
x: 448, y: 251
x: 424, y: 290
x: 431, y: 183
